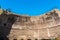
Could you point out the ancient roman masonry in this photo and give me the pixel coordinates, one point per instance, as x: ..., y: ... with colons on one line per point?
x: 19, y: 27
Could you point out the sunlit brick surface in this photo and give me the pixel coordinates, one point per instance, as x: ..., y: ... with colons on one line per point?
x: 45, y: 26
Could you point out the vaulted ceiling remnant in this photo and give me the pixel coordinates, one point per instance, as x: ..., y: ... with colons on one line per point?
x: 34, y: 27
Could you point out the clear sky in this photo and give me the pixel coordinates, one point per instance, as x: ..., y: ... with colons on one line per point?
x: 30, y: 7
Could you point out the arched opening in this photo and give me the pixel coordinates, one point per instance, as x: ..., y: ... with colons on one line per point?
x: 46, y: 39
x: 36, y: 39
x: 15, y: 39
x: 28, y: 39
x: 22, y: 39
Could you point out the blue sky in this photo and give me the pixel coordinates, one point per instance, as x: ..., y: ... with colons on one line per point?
x: 30, y: 7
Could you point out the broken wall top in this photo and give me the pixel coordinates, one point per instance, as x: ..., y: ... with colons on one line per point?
x: 49, y: 19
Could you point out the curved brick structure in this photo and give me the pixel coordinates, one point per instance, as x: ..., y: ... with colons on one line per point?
x: 33, y: 27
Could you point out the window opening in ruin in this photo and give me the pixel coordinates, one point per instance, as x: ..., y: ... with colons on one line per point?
x: 48, y: 18
x: 28, y: 39
x: 54, y: 14
x: 36, y: 39
x: 14, y: 39
x: 47, y: 39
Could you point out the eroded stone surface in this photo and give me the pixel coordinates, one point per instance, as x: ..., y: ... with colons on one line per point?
x: 30, y: 27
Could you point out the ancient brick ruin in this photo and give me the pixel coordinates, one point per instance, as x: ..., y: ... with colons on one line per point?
x: 19, y: 27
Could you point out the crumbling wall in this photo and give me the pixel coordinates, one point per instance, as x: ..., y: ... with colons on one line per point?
x: 17, y: 27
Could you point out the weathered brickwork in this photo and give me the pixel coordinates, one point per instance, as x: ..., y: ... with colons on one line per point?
x: 18, y: 27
